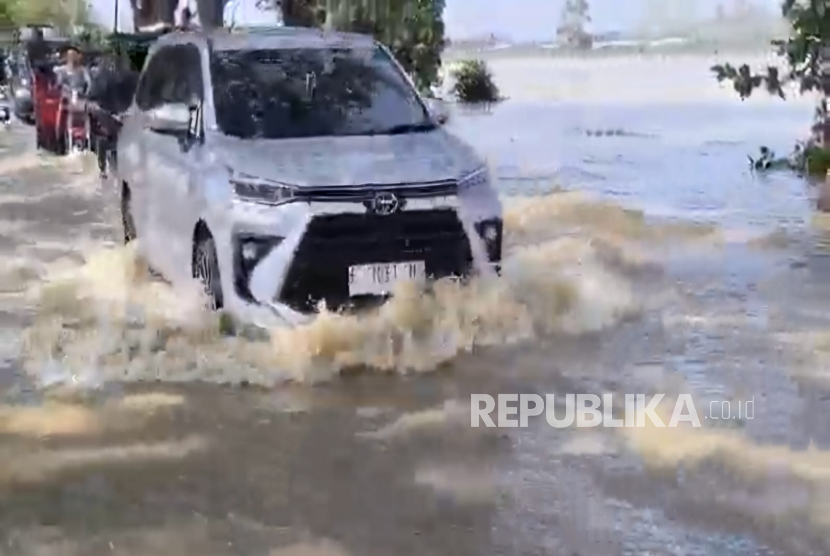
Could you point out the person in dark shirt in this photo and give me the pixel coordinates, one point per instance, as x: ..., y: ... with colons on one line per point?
x: 186, y: 23
x: 37, y: 49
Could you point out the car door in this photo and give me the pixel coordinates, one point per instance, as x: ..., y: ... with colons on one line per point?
x: 174, y: 161
x: 134, y: 143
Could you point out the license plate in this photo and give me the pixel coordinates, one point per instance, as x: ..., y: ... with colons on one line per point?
x: 380, y: 278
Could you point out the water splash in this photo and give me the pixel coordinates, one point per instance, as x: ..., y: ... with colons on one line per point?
x: 109, y: 320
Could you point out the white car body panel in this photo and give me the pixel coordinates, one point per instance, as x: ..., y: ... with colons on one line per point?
x: 174, y: 189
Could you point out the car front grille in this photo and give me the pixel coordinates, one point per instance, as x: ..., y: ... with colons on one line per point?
x: 333, y: 243
x: 365, y: 193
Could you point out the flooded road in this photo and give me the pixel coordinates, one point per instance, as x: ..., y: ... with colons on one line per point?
x: 642, y: 257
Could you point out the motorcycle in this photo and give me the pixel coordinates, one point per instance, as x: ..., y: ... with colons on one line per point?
x: 5, y: 105
x: 75, y: 123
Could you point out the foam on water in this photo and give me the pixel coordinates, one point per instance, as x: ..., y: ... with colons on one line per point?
x: 762, y: 466
x: 26, y: 161
x: 40, y: 465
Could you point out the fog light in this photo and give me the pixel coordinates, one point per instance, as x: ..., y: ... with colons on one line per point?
x: 249, y: 251
x: 490, y: 233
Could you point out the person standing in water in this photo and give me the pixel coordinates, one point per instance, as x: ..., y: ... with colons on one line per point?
x: 186, y: 22
x: 72, y: 77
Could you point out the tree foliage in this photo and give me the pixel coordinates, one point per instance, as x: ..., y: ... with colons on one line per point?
x: 412, y: 29
x: 809, y: 21
x: 572, y: 30
x: 60, y: 13
x: 474, y: 83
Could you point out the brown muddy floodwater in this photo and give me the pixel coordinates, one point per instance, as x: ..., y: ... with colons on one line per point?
x: 642, y: 257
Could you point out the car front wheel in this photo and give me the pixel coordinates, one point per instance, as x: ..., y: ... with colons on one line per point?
x: 206, y: 270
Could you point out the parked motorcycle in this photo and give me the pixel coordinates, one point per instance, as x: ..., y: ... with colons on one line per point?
x: 5, y: 105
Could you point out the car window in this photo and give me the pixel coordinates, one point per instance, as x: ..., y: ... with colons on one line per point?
x: 313, y: 92
x: 189, y: 70
x: 173, y: 75
x: 149, y: 93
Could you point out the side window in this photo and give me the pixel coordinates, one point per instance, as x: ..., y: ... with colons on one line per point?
x: 173, y: 75
x: 153, y: 81
x: 191, y: 71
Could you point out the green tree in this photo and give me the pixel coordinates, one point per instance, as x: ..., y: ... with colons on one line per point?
x: 809, y: 21
x: 573, y: 23
x: 63, y: 14
x: 803, y: 51
x: 412, y: 29
x: 7, y: 13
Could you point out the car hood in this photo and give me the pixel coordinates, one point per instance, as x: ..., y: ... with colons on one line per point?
x: 332, y: 161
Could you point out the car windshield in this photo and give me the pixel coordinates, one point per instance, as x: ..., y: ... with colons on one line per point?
x: 313, y: 92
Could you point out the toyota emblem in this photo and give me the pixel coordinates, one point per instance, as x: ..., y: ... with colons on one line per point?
x: 385, y: 204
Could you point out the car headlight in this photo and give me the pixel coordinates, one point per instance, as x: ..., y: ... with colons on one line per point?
x: 248, y: 251
x: 474, y: 179
x: 258, y: 190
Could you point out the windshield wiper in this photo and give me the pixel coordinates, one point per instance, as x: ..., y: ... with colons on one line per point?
x: 408, y: 128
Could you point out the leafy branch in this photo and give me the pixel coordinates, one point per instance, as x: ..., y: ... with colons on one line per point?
x: 744, y: 81
x: 810, y: 24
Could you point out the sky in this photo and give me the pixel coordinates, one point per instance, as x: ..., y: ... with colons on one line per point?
x: 518, y: 20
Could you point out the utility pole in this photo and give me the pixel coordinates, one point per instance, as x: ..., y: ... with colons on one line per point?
x: 115, y: 18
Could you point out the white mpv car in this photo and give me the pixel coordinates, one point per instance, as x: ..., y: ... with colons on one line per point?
x: 289, y: 167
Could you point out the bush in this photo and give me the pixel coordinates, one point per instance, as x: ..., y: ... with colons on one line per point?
x: 818, y: 161
x: 474, y: 83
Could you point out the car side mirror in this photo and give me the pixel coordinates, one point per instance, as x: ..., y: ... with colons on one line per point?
x: 438, y: 110
x: 171, y: 118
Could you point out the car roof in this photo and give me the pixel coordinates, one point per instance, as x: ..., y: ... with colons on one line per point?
x: 265, y: 38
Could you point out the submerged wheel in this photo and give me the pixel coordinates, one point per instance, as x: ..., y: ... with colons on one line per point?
x: 206, y: 269
x: 127, y: 222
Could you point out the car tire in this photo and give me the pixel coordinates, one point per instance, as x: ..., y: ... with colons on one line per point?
x: 127, y: 221
x: 206, y: 269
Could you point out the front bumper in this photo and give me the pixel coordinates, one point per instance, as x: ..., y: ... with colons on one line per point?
x: 319, y: 271
x: 305, y: 260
